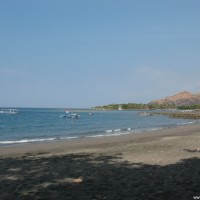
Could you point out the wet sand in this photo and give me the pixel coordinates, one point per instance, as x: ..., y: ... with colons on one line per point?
x: 163, y: 164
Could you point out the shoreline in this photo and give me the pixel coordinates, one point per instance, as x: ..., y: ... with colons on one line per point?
x: 108, y: 133
x: 167, y: 137
x: 188, y: 114
x: 163, y: 164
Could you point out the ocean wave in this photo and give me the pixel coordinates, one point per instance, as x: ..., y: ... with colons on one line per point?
x: 26, y: 141
x: 66, y: 138
x: 109, y: 131
x: 185, y: 123
x: 95, y: 136
x: 117, y: 134
x: 108, y: 135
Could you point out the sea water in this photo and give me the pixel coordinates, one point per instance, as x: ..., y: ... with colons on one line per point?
x: 39, y: 125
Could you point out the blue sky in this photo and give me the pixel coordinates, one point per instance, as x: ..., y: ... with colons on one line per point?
x: 82, y: 53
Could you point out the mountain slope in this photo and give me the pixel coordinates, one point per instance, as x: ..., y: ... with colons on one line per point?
x: 181, y: 99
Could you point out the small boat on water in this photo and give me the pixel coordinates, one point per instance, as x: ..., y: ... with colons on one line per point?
x: 75, y: 116
x: 9, y: 111
x: 145, y: 114
x: 70, y: 115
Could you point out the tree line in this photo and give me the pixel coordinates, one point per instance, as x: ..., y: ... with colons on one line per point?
x: 139, y: 106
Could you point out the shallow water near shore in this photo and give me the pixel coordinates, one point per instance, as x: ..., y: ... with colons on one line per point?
x: 39, y: 125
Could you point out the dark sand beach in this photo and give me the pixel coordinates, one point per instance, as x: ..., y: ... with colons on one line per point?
x: 164, y: 164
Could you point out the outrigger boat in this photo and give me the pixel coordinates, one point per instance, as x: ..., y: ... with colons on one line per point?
x: 70, y: 115
x: 9, y: 111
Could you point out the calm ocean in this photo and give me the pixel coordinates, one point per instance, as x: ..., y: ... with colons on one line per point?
x: 38, y: 125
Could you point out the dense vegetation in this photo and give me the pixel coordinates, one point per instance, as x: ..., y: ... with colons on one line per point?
x: 161, y: 106
x: 139, y: 106
x: 123, y: 106
x: 191, y: 107
x: 136, y: 106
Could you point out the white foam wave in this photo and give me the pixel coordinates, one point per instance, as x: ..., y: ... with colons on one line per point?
x: 72, y: 137
x: 26, y: 141
x: 107, y: 135
x: 117, y: 130
x: 185, y: 123
x: 117, y: 134
x: 95, y: 136
x: 109, y: 131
